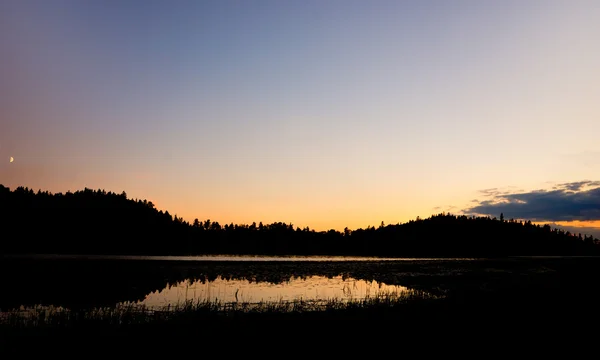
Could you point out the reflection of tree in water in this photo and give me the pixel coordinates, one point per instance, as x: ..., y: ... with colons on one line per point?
x: 83, y: 283
x: 77, y: 283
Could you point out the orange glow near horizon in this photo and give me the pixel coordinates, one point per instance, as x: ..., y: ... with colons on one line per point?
x: 583, y: 224
x: 370, y: 114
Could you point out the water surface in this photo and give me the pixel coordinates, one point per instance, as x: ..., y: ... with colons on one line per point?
x: 313, y: 288
x: 262, y: 258
x: 83, y: 281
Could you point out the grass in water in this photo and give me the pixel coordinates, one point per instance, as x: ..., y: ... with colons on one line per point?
x: 132, y: 314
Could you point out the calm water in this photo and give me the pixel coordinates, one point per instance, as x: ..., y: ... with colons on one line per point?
x: 220, y: 258
x: 314, y: 288
x: 69, y: 281
x: 84, y: 282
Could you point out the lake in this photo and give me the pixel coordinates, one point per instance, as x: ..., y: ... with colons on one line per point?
x: 312, y: 288
x: 79, y: 281
x: 247, y: 302
x: 76, y: 281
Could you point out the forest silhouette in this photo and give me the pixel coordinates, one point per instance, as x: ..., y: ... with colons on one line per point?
x: 97, y: 222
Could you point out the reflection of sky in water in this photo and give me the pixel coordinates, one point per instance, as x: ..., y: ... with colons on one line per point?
x: 234, y: 258
x: 310, y: 288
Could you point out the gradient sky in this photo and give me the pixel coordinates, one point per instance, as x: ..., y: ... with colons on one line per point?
x: 320, y: 113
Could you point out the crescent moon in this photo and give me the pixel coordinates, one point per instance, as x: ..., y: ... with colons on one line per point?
x: 12, y: 159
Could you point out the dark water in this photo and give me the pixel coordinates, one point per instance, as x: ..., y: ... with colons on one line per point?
x: 89, y: 281
x: 232, y: 258
x: 76, y: 281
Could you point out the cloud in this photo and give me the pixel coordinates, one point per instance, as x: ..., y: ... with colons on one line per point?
x: 578, y: 185
x: 490, y: 192
x: 493, y: 192
x: 566, y: 202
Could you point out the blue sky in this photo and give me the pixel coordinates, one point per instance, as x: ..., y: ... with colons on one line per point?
x: 321, y: 113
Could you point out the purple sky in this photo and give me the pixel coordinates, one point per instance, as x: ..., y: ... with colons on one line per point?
x: 321, y: 113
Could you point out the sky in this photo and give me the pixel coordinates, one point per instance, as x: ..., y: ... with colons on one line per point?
x: 327, y: 114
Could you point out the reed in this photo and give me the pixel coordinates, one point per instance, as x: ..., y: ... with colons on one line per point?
x: 132, y: 314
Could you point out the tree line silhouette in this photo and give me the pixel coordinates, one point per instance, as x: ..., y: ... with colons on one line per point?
x: 100, y: 222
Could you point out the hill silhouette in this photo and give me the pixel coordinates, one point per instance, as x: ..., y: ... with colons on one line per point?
x: 107, y: 223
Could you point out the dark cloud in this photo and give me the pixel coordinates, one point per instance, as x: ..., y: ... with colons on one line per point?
x: 567, y: 203
x: 578, y: 185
